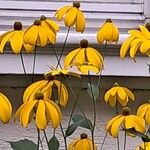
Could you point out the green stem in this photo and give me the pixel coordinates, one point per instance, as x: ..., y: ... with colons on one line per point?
x: 46, y: 139
x: 118, y: 142
x: 63, y: 134
x: 94, y: 113
x: 38, y: 143
x: 103, y: 141
x: 24, y: 69
x: 64, y: 45
x: 34, y: 63
x: 125, y: 140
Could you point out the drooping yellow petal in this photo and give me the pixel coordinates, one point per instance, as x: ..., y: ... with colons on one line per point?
x: 113, y: 91
x: 70, y: 17
x: 31, y: 35
x: 17, y: 41
x: 42, y: 36
x: 125, y: 46
x: 115, y: 126
x: 145, y: 32
x: 80, y: 57
x: 123, y: 102
x: 29, y: 48
x: 107, y: 96
x: 80, y: 21
x: 54, y: 113
x: 115, y: 35
x: 41, y: 115
x: 72, y: 144
x: 26, y: 111
x: 110, y: 122
x: 137, y: 34
x: 70, y: 57
x: 145, y: 46
x: 112, y: 100
x: 121, y: 93
x: 147, y: 116
x: 5, y: 38
x: 142, y: 110
x: 60, y: 13
x: 129, y: 93
x: 53, y: 24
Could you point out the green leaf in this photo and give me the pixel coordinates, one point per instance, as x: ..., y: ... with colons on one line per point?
x: 93, y: 91
x: 71, y: 129
x: 23, y: 145
x: 53, y: 143
x: 82, y: 121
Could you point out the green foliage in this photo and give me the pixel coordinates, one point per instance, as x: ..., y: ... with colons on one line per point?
x: 53, y: 143
x: 93, y: 91
x: 23, y: 145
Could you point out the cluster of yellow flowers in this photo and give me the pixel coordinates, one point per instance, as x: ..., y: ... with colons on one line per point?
x: 38, y: 101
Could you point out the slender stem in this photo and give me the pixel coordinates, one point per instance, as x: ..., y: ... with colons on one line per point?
x: 59, y: 64
x: 103, y: 141
x: 64, y: 45
x: 46, y: 138
x: 125, y: 139
x: 118, y: 142
x: 94, y: 109
x: 24, y: 69
x: 34, y: 63
x: 63, y: 134
x: 38, y: 143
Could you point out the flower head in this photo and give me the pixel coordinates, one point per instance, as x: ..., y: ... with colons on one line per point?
x: 72, y: 16
x: 44, y: 110
x: 138, y: 40
x: 108, y: 32
x: 120, y: 94
x: 15, y: 37
x: 56, y: 72
x: 5, y: 109
x: 144, y: 112
x: 39, y: 34
x: 83, y: 143
x: 85, y: 58
x: 127, y: 121
x: 144, y: 146
x: 52, y: 25
x: 47, y: 86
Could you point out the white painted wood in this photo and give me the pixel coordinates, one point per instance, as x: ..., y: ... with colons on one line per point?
x: 147, y: 9
x: 94, y: 7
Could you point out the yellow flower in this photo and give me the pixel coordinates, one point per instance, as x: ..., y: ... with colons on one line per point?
x: 122, y: 94
x: 85, y: 58
x: 44, y: 110
x: 38, y: 34
x: 139, y: 40
x: 55, y: 72
x: 84, y: 143
x: 72, y: 16
x: 52, y: 25
x: 5, y: 109
x: 125, y: 120
x: 144, y: 112
x: 15, y: 37
x: 108, y: 32
x: 47, y: 87
x: 144, y: 146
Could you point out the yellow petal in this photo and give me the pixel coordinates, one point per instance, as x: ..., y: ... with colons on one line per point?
x: 4, y: 39
x: 145, y: 31
x: 113, y: 91
x: 42, y: 36
x: 54, y: 113
x: 112, y: 100
x: 29, y: 48
x: 121, y: 93
x: 80, y: 21
x: 115, y: 35
x: 26, y: 111
x: 147, y: 116
x: 17, y: 41
x: 40, y: 115
x: 31, y: 35
x: 110, y: 122
x: 125, y: 46
x: 72, y: 144
x: 60, y: 13
x: 142, y: 110
x: 115, y: 126
x: 70, y: 57
x: 107, y: 96
x: 80, y: 57
x: 53, y: 24
x: 137, y: 34
x: 129, y: 93
x: 70, y: 17
x: 123, y: 102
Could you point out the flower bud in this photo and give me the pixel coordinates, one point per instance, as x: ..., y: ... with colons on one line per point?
x: 17, y: 25
x: 108, y: 20
x: 126, y: 111
x: 84, y: 43
x: 43, y: 18
x: 37, y: 22
x: 39, y: 95
x: 148, y: 26
x: 83, y: 136
x: 76, y: 4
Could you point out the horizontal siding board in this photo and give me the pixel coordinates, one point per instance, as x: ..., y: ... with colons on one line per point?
x: 94, y: 7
